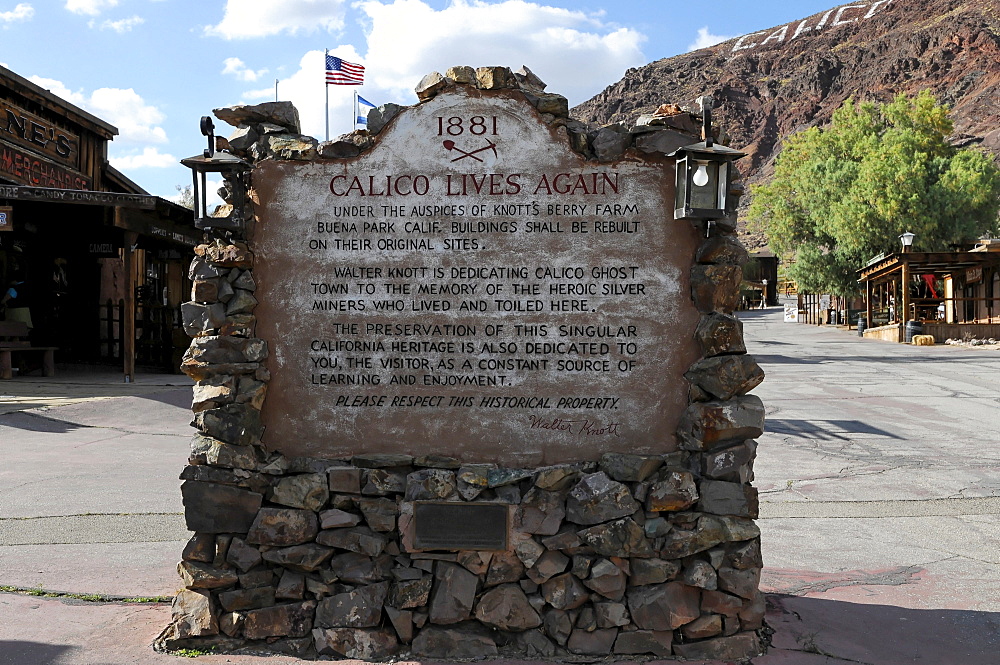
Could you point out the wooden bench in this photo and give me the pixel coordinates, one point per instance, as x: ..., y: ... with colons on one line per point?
x: 14, y: 339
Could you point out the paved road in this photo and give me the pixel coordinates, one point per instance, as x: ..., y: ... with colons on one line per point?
x: 879, y: 477
x: 89, y: 496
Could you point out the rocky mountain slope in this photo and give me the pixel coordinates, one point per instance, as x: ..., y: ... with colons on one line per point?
x: 772, y: 83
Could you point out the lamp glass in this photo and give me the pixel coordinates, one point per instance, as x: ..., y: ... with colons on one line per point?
x: 682, y: 183
x: 700, y: 178
x: 705, y: 185
x: 907, y: 239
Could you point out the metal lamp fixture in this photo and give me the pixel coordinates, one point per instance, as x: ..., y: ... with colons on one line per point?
x: 907, y: 240
x: 233, y: 170
x: 704, y: 174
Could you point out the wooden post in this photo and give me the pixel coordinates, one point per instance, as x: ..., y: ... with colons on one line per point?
x: 904, y: 298
x: 869, y: 294
x: 128, y: 322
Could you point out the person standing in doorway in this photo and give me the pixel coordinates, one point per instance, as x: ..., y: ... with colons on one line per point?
x: 17, y: 300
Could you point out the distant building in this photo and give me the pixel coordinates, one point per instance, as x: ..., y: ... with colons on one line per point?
x: 945, y: 294
x: 95, y: 250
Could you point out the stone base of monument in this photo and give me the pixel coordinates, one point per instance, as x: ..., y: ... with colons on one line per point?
x: 434, y: 555
x: 632, y: 555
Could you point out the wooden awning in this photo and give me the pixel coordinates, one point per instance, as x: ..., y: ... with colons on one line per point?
x: 77, y: 196
x: 926, y: 262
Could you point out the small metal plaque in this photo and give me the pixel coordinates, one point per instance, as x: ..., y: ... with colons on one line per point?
x: 460, y: 526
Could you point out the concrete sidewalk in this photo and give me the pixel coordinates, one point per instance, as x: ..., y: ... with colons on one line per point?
x: 89, y: 496
x: 878, y: 476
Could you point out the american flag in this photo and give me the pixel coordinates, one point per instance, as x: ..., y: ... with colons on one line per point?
x: 340, y: 72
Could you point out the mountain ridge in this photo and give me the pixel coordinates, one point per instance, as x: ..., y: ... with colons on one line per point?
x: 771, y: 83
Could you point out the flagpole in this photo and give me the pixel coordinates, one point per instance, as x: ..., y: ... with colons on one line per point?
x: 326, y: 85
x: 275, y: 89
x: 354, y: 124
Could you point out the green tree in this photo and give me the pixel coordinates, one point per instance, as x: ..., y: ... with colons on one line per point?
x: 844, y: 193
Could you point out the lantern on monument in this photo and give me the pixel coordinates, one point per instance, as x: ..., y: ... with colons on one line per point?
x: 704, y: 173
x: 231, y: 168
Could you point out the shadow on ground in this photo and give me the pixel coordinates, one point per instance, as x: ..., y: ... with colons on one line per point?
x: 173, y: 397
x: 34, y: 423
x: 882, y: 634
x: 777, y: 359
x: 824, y: 429
x: 35, y: 653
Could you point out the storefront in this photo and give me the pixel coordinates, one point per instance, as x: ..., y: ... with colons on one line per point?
x: 104, y: 262
x: 944, y: 294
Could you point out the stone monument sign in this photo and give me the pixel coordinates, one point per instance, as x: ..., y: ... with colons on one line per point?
x: 465, y: 388
x: 471, y: 285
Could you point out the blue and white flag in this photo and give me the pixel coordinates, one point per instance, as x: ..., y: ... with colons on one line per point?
x: 363, y: 119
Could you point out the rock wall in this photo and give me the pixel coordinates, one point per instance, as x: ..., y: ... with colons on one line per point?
x: 646, y: 556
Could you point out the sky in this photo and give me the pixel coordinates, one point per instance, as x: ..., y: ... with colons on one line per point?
x: 152, y: 68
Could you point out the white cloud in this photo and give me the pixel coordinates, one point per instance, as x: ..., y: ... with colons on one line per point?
x: 305, y: 88
x: 238, y: 68
x: 89, y: 7
x: 58, y: 89
x: 124, y: 25
x: 126, y: 110
x: 576, y: 53
x: 22, y: 12
x: 244, y: 19
x: 706, y: 39
x: 137, y: 121
x: 150, y: 157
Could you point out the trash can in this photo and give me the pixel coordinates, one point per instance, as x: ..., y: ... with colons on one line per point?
x: 913, y: 328
x: 862, y: 324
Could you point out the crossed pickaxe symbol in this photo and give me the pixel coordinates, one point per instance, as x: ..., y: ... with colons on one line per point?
x: 450, y: 145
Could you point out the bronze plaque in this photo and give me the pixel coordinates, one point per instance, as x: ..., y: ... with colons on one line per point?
x: 472, y: 287
x: 460, y: 526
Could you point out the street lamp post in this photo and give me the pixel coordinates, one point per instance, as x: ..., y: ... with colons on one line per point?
x: 906, y: 240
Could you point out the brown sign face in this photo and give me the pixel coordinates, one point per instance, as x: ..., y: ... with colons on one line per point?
x: 27, y: 130
x: 24, y: 167
x: 472, y: 287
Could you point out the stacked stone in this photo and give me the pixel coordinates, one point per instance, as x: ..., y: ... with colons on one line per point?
x: 271, y: 130
x: 634, y: 555
x: 268, y: 130
x: 644, y: 556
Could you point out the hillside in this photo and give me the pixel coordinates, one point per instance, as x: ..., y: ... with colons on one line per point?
x: 772, y: 83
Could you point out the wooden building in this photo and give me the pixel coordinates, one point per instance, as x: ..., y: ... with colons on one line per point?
x: 944, y: 294
x: 760, y: 280
x: 105, y: 263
